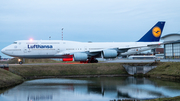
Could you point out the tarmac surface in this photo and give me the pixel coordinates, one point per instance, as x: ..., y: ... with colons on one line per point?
x: 111, y: 61
x: 141, y: 60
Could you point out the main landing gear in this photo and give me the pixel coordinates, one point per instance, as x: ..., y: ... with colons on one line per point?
x: 92, y: 60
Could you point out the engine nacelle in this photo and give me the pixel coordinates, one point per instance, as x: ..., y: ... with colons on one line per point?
x: 136, y: 50
x: 80, y: 57
x: 110, y: 53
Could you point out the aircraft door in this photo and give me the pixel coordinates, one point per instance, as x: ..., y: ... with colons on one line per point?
x: 86, y: 48
x: 25, y: 50
x: 58, y: 50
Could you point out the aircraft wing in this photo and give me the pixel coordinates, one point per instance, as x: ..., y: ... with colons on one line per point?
x: 128, y: 49
x: 119, y: 49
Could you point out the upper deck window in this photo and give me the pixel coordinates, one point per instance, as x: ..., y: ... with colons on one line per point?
x: 14, y: 42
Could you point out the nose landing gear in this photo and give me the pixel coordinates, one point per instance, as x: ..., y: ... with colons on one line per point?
x: 20, y: 61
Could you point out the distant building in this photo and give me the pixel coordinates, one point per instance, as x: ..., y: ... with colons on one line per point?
x: 172, y: 48
x: 159, y: 51
x: 159, y: 56
x: 171, y: 37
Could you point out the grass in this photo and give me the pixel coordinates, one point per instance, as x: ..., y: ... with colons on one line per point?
x: 31, y: 61
x: 68, y: 69
x: 72, y: 69
x: 166, y: 99
x: 8, y: 79
x: 11, y: 61
x: 166, y: 70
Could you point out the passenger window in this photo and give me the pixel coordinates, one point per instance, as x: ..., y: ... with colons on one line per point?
x: 15, y: 43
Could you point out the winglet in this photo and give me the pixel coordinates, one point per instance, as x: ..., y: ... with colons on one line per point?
x: 154, y: 34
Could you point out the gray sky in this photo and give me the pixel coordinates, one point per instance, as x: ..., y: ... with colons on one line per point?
x: 85, y: 20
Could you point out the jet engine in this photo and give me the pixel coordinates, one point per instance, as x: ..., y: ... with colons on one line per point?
x: 110, y: 53
x: 80, y: 57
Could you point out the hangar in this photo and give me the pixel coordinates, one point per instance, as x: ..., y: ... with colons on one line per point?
x: 172, y: 47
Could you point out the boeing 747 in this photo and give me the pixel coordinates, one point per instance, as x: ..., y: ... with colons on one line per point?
x: 83, y: 51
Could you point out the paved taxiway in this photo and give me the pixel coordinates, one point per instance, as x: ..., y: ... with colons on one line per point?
x: 109, y: 61
x: 140, y: 60
x: 48, y: 63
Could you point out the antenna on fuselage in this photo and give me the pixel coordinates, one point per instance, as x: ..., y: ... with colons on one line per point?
x: 62, y: 33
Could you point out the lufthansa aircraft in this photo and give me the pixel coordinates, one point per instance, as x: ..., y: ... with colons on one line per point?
x: 82, y: 51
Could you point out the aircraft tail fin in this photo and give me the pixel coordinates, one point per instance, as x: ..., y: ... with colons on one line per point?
x: 154, y: 34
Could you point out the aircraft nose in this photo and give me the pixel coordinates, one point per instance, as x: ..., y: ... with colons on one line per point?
x: 3, y: 51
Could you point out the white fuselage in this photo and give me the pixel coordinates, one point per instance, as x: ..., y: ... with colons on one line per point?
x: 62, y: 49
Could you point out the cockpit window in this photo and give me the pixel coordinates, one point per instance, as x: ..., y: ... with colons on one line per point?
x: 15, y: 43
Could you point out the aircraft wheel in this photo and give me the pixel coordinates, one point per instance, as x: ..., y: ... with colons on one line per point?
x: 95, y: 61
x: 92, y: 60
x: 20, y: 62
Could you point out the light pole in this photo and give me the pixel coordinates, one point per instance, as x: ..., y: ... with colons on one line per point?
x: 62, y: 33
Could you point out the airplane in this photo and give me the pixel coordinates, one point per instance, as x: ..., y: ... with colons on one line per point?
x: 84, y: 51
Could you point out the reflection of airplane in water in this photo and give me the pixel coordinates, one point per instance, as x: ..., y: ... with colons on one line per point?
x: 132, y: 88
x: 88, y: 89
x: 138, y: 93
x: 81, y: 51
x: 127, y: 90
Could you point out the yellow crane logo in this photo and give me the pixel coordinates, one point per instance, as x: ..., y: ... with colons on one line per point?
x: 156, y: 31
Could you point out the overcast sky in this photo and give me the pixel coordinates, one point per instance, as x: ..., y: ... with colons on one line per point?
x: 85, y: 20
